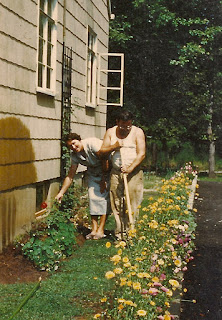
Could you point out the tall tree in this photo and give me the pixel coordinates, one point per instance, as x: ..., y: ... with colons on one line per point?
x: 172, y: 58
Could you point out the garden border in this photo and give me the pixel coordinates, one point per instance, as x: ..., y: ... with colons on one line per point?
x: 176, y: 303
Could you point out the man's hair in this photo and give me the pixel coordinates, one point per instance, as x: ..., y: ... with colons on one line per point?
x: 124, y: 115
x: 72, y: 136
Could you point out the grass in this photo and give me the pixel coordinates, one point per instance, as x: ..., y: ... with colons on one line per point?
x: 202, y: 177
x: 75, y: 290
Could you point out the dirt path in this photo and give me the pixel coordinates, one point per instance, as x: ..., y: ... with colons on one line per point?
x: 203, y: 279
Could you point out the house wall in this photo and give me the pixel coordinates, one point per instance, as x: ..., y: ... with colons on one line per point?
x: 30, y: 122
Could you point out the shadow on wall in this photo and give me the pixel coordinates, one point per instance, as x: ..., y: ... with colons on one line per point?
x: 16, y: 169
x: 17, y: 155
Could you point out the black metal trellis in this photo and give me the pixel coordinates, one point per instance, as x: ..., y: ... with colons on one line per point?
x: 66, y: 104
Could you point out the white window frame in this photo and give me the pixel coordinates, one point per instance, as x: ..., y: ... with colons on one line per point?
x: 107, y: 71
x: 46, y: 59
x: 91, y: 68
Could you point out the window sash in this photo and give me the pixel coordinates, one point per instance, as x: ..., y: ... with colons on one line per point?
x: 91, y: 69
x: 46, y: 47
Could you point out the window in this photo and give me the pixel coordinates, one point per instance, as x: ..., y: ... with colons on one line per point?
x: 46, y: 46
x: 115, y: 73
x: 91, y: 69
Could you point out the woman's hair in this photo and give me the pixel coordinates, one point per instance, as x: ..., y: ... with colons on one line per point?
x: 72, y: 136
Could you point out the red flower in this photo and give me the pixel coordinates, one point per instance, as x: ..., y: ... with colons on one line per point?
x: 43, y: 205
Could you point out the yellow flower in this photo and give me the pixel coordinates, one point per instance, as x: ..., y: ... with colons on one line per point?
x: 122, y: 244
x: 129, y: 283
x: 153, y: 224
x: 127, y: 265
x: 109, y: 275
x: 115, y: 258
x: 167, y: 304
x: 152, y: 303
x: 174, y: 283
x: 140, y: 275
x: 178, y: 262
x: 155, y: 279
x: 123, y: 281
x: 139, y: 259
x: 146, y: 275
x: 108, y: 244
x: 96, y: 316
x: 125, y: 259
x: 103, y: 300
x: 121, y: 300
x: 136, y: 286
x: 130, y: 303
x: 141, y: 313
x: 118, y: 270
x: 120, y: 307
x: 169, y: 293
x: 185, y: 289
x: 167, y: 317
x: 160, y: 262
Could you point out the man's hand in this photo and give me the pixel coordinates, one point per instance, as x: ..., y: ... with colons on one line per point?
x: 126, y: 169
x: 59, y: 197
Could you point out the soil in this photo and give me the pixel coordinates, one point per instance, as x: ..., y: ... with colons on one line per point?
x: 16, y: 268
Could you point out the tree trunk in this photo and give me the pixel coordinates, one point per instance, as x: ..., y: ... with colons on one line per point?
x: 212, y: 159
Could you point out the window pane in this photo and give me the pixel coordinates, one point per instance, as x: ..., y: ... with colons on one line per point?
x: 40, y: 73
x: 41, y: 25
x: 90, y: 40
x: 40, y: 50
x: 48, y: 79
x: 49, y: 31
x: 49, y: 53
x: 42, y: 2
x: 50, y: 7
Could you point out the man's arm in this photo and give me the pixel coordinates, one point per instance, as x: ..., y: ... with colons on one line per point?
x: 106, y: 147
x: 67, y: 182
x: 140, y: 150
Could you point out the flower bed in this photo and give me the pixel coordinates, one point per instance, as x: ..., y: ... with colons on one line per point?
x: 146, y: 268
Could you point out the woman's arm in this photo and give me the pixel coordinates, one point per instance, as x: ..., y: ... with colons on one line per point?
x: 67, y: 182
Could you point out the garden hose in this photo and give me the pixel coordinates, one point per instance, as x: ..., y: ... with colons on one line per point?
x: 25, y: 300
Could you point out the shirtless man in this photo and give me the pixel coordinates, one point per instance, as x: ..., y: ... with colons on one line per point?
x: 131, y: 140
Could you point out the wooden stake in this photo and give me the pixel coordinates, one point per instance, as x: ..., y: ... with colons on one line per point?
x: 127, y: 194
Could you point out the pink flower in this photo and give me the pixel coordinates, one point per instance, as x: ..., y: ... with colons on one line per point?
x: 164, y: 289
x: 153, y: 291
x: 152, y: 268
x: 160, y: 317
x: 184, y: 269
x: 157, y: 284
x: 144, y: 291
x: 162, y: 276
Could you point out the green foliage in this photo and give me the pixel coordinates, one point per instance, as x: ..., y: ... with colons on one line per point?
x: 54, y: 238
x: 51, y: 240
x: 172, y: 66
